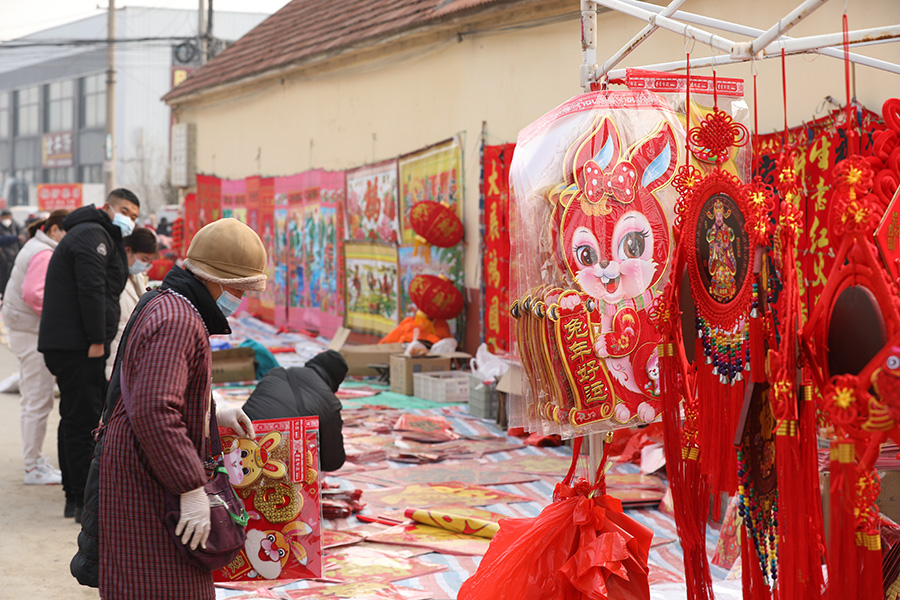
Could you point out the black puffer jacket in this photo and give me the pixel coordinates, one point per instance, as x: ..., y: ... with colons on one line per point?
x: 85, y: 277
x: 303, y: 392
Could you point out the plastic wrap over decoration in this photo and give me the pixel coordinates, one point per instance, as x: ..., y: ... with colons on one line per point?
x: 591, y: 216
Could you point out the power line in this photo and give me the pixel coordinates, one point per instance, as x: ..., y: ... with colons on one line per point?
x: 90, y: 42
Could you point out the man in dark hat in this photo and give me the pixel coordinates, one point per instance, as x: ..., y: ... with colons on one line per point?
x: 11, y: 239
x: 306, y: 392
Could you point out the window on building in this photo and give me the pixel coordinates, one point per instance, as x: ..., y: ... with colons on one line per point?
x: 4, y: 115
x: 27, y: 104
x: 60, y: 106
x: 93, y: 112
x: 90, y: 174
x: 60, y: 175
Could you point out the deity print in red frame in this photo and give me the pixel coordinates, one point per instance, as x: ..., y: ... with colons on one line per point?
x: 277, y: 476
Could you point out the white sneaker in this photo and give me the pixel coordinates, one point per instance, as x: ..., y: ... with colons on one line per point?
x: 43, y: 461
x: 42, y: 474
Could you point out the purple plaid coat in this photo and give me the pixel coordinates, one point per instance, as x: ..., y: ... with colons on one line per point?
x: 167, y: 367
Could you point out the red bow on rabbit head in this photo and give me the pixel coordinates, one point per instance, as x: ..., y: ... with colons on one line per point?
x: 614, y: 234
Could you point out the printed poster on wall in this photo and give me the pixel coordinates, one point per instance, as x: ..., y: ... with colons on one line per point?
x: 281, y: 258
x: 191, y: 219
x: 434, y: 174
x: 442, y: 261
x: 209, y: 199
x: 296, y: 284
x: 372, y: 299
x: 231, y: 190
x: 317, y: 222
x: 251, y: 301
x: 372, y: 203
x: 497, y: 160
x: 266, y: 233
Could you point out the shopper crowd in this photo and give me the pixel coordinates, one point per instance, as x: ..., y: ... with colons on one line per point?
x: 133, y: 369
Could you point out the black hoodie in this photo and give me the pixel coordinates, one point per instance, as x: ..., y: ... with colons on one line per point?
x: 85, y: 277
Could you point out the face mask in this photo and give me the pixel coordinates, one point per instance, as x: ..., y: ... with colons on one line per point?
x: 139, y: 266
x: 6, y: 222
x: 124, y: 223
x: 228, y: 303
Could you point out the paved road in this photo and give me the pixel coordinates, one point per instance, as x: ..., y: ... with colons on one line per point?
x: 36, y: 542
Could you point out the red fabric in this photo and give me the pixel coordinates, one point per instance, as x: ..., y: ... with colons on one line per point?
x: 497, y: 160
x: 168, y: 369
x: 159, y: 268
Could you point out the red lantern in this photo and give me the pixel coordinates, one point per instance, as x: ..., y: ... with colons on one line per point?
x: 436, y: 223
x: 436, y: 296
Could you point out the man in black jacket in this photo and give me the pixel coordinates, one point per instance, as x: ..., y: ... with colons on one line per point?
x: 80, y: 317
x: 306, y: 392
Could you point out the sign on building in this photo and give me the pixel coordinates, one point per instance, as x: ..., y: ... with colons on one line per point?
x: 52, y: 196
x: 58, y: 149
x: 183, y: 165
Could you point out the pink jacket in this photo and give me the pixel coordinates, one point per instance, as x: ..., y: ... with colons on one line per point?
x: 35, y: 277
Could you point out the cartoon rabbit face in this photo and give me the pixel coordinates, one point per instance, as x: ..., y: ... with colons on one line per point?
x: 246, y: 460
x: 614, y: 234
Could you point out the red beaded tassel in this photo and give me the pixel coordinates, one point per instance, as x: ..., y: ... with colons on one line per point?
x: 690, y: 493
x: 843, y: 568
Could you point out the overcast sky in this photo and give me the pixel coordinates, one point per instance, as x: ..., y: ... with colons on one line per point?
x: 21, y: 17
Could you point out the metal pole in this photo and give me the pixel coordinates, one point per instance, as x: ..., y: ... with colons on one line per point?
x: 704, y: 37
x: 201, y: 27
x: 109, y: 165
x: 588, y: 43
x: 636, y: 41
x: 783, y: 25
x: 210, y: 48
x: 738, y: 29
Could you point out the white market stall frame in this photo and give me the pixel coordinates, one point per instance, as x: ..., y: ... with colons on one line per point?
x: 763, y: 45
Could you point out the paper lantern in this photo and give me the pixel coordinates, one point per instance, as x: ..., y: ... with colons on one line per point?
x: 436, y: 296
x: 436, y: 223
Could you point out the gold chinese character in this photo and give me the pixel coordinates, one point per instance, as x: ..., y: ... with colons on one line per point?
x: 580, y: 348
x: 595, y: 392
x: 575, y: 328
x: 588, y: 371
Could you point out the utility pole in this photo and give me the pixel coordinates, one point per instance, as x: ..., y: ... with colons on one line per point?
x: 109, y: 163
x: 201, y: 28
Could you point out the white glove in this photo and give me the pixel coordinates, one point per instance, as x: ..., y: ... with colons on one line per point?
x: 194, y: 524
x: 235, y: 419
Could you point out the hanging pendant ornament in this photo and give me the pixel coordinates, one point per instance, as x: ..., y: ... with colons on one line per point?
x: 720, y: 235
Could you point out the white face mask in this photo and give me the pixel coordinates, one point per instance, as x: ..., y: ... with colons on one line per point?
x: 139, y: 266
x: 6, y: 222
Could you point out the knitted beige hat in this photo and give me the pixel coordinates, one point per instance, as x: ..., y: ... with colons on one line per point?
x: 229, y: 253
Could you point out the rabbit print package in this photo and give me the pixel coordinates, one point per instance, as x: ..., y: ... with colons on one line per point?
x: 277, y: 476
x: 593, y: 206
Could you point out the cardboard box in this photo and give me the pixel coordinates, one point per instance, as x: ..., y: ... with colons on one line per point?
x: 236, y: 364
x: 361, y: 357
x: 403, y: 367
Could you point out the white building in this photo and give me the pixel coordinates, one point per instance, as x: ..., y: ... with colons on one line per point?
x: 53, y: 99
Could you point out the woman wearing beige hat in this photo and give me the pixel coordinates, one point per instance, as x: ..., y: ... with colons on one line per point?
x: 156, y: 444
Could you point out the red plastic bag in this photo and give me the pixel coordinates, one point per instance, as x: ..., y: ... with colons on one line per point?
x: 582, y: 546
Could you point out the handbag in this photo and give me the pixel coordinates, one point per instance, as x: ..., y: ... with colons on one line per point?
x: 227, y: 516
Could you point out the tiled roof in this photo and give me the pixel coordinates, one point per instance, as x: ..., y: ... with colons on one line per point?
x: 305, y: 29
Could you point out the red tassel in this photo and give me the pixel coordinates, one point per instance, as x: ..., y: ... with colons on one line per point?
x: 689, y: 488
x: 757, y: 350
x: 754, y: 584
x: 843, y: 569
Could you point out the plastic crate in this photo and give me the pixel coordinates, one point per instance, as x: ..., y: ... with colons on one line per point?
x: 482, y: 398
x: 442, y: 386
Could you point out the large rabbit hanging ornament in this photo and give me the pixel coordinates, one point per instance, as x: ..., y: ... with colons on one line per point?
x: 592, y: 211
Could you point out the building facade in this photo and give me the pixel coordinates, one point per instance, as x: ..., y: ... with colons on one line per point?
x: 53, y: 99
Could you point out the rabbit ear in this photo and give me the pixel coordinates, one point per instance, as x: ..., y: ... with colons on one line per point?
x: 599, y: 143
x: 655, y: 158
x: 275, y: 469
